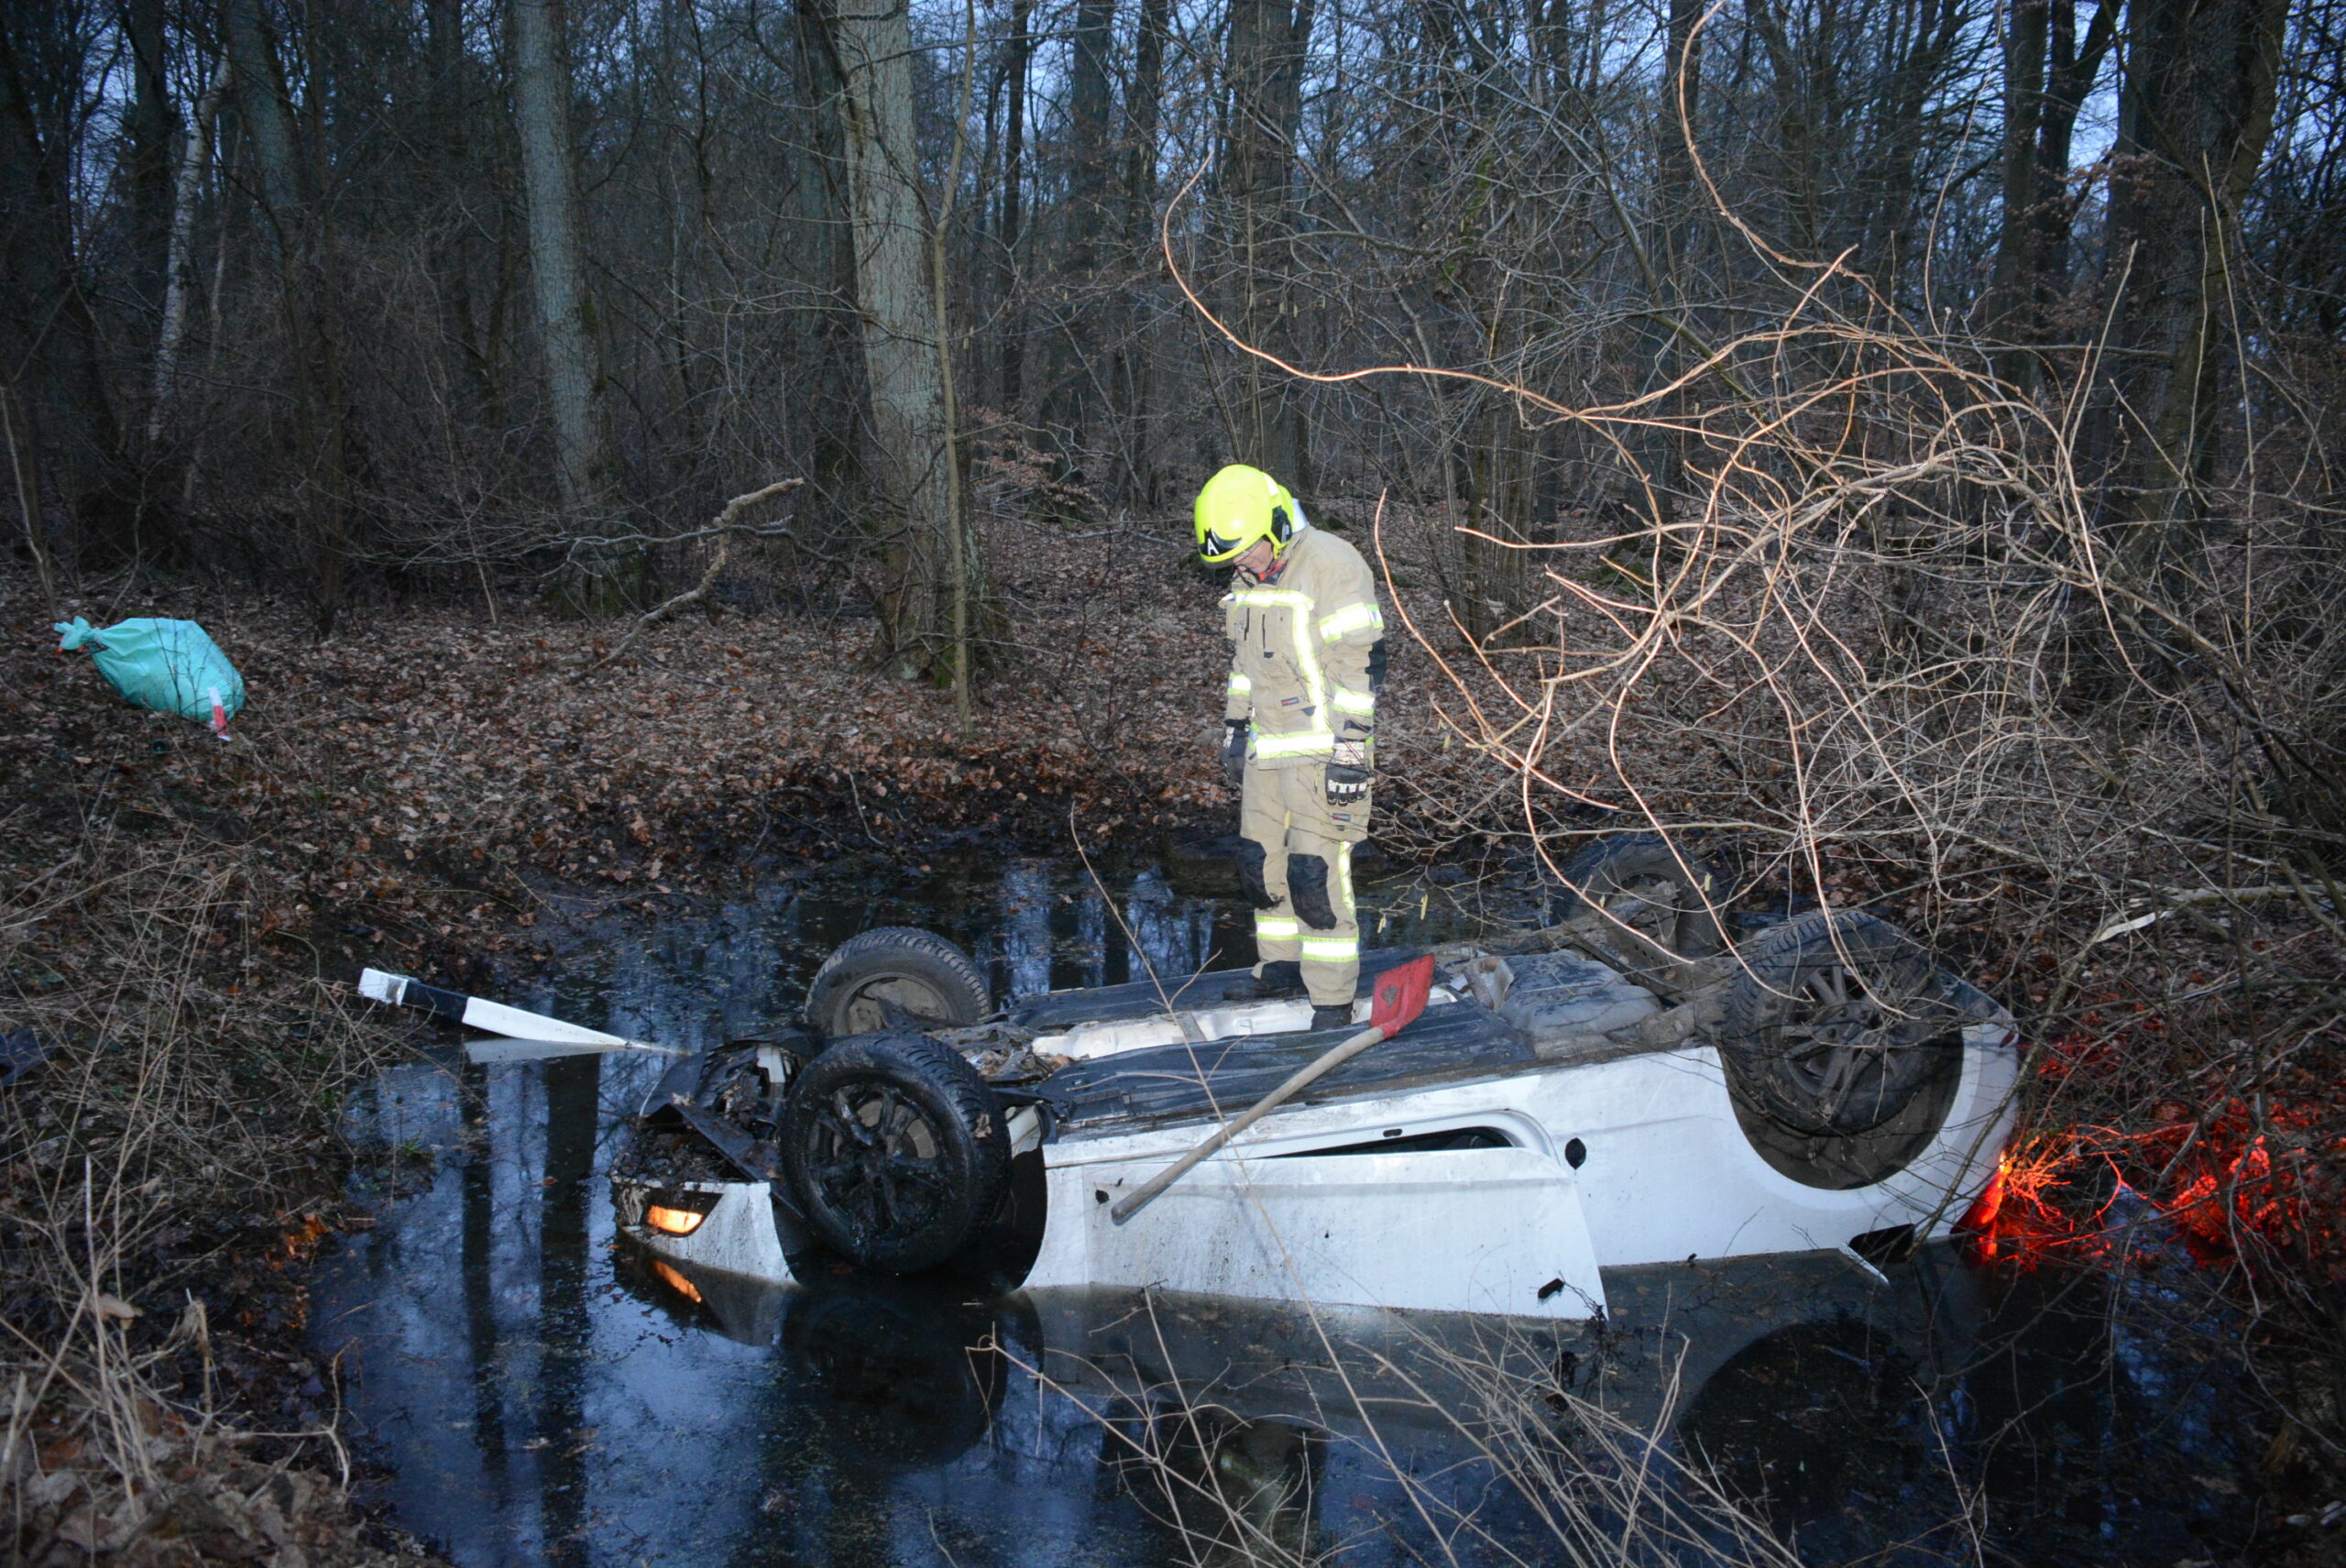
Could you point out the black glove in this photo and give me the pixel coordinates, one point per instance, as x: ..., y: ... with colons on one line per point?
x: 1234, y: 749
x: 1348, y: 773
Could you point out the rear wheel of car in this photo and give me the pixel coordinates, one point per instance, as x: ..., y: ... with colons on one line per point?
x: 896, y: 1148
x: 927, y: 976
x: 1834, y: 1023
x: 1667, y: 895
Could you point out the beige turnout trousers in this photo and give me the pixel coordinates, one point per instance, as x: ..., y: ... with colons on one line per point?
x: 1305, y: 659
x: 1299, y: 849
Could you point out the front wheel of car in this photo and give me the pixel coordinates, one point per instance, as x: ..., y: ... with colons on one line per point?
x: 896, y: 1151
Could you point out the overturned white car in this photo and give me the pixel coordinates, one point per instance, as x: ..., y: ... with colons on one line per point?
x: 1620, y: 1088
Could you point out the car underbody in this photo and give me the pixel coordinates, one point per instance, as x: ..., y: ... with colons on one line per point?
x: 1497, y: 1156
x: 1621, y: 1088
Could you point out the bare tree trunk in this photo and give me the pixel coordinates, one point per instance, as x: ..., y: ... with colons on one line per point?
x: 2069, y: 79
x: 2012, y: 290
x: 1268, y: 39
x: 830, y: 395
x: 1916, y: 59
x: 1009, y: 232
x: 913, y: 451
x: 601, y: 580
x: 51, y: 338
x: 147, y: 156
x: 1676, y: 206
x: 1143, y: 107
x: 25, y: 469
x: 1075, y: 374
x: 2046, y: 78
x: 448, y: 105
x: 301, y: 238
x: 179, y: 265
x: 2195, y: 114
x: 225, y: 153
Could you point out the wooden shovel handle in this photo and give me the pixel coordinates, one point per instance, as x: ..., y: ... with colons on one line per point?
x: 1304, y: 1077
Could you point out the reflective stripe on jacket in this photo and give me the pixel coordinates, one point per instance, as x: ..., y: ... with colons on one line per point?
x: 1299, y: 650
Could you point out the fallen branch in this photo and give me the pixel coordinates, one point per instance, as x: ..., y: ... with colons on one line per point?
x: 724, y: 528
x: 2178, y: 898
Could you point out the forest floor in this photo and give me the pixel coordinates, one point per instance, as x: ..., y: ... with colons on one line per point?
x: 183, y: 920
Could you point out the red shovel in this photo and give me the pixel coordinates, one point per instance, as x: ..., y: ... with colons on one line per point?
x: 1394, y: 1005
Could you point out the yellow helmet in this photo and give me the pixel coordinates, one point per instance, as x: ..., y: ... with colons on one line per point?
x: 1239, y: 506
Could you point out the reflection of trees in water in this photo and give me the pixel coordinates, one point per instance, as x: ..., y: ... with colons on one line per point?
x: 1813, y: 1420
x: 2097, y: 1404
x: 1052, y: 927
x: 1033, y: 924
x: 2024, y: 1419
x: 479, y: 1201
x: 571, y: 1127
x: 878, y: 1379
x: 1820, y: 1419
x: 1021, y: 938
x: 1176, y: 933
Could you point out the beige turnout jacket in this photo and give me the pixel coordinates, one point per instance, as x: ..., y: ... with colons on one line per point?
x: 1306, y: 651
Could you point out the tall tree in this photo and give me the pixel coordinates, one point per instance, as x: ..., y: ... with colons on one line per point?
x: 179, y: 260
x: 584, y: 470
x: 448, y: 142
x: 1075, y: 375
x: 297, y: 222
x: 830, y: 341
x: 2048, y: 74
x: 51, y: 343
x: 913, y: 449
x: 1267, y: 44
x: 1137, y: 369
x: 147, y: 154
x: 2194, y: 112
x: 1677, y: 206
x: 1143, y: 108
x: 1010, y: 231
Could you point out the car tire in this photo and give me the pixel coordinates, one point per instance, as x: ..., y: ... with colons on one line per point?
x: 916, y: 970
x: 1640, y: 877
x: 895, y: 1150
x: 1832, y: 1024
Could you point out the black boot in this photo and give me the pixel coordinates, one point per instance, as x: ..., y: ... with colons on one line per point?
x: 1331, y: 1018
x: 1280, y: 978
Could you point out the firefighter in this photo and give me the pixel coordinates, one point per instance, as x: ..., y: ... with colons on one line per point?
x: 1307, y: 662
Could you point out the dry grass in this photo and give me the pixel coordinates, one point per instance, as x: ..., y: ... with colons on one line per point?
x: 1531, y: 1472
x: 162, y: 1176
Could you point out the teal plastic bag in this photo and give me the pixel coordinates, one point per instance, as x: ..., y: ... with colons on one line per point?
x: 172, y: 666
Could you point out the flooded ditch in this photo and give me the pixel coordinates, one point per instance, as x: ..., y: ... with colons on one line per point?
x: 536, y: 1391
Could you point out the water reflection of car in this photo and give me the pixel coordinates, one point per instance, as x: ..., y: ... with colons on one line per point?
x: 1866, y: 1419
x: 1621, y: 1089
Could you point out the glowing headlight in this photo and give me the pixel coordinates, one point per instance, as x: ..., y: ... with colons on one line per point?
x: 676, y: 1221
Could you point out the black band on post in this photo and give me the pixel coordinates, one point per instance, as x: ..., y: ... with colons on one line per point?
x: 448, y: 1004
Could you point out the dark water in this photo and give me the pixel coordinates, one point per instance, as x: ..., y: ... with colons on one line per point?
x: 541, y: 1393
